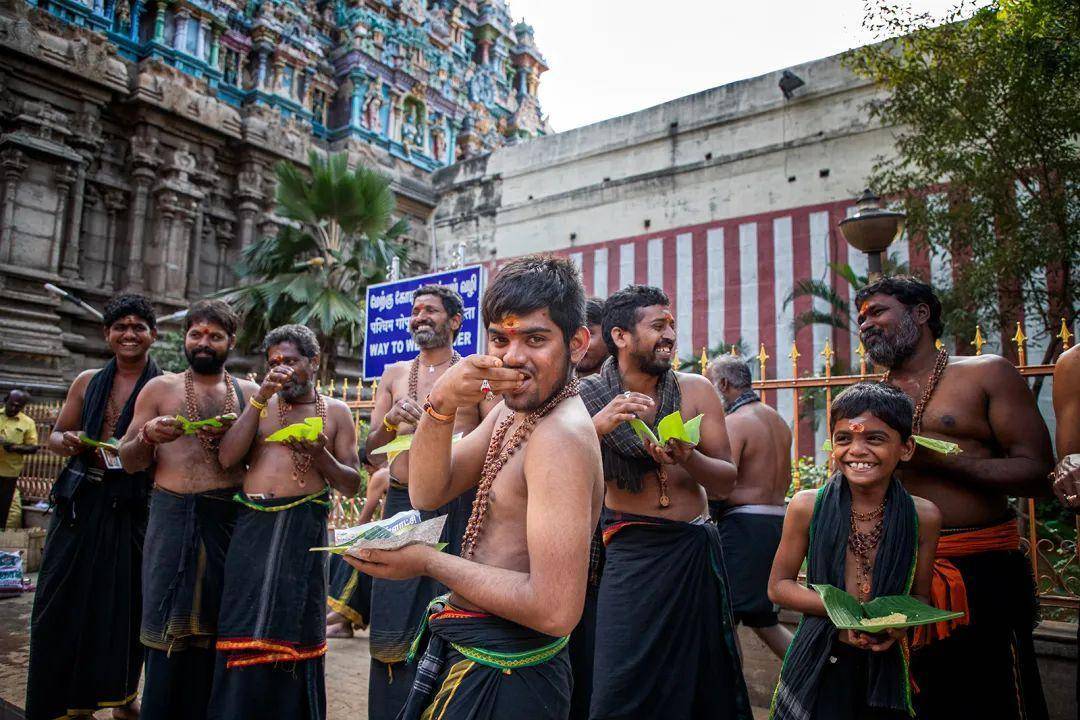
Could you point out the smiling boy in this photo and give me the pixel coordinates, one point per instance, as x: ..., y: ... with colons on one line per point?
x: 864, y: 533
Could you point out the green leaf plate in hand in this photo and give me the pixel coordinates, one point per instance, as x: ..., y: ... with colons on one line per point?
x: 111, y: 445
x: 942, y: 446
x: 190, y: 427
x: 670, y: 427
x: 399, y: 445
x: 847, y: 613
x: 309, y: 429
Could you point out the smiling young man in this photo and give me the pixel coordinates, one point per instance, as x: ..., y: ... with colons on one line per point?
x: 272, y: 629
x: 663, y: 601
x: 397, y: 606
x: 497, y: 642
x: 862, y: 532
x: 84, y: 640
x: 984, y: 664
x: 192, y: 513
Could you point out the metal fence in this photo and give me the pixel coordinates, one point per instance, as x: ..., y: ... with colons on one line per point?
x: 1050, y: 543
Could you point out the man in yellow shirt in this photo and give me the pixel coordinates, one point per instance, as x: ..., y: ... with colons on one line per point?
x: 18, y: 438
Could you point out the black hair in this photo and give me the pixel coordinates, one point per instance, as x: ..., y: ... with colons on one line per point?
x: 451, y: 300
x: 594, y: 311
x: 129, y: 304
x: 536, y: 282
x: 621, y: 310
x: 886, y: 402
x: 911, y: 291
x: 215, y: 311
x: 303, y: 338
x: 734, y: 369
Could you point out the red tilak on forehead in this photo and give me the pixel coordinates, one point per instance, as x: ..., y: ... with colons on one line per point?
x: 668, y: 316
x: 857, y: 427
x: 510, y: 324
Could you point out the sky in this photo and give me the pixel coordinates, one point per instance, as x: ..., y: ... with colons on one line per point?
x: 612, y: 57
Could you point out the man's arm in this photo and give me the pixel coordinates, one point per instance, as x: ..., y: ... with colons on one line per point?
x: 29, y: 445
x: 135, y: 455
x: 929, y: 529
x: 784, y: 586
x: 64, y: 438
x: 236, y: 442
x: 1067, y: 412
x: 1019, y: 431
x: 709, y: 464
x: 549, y: 598
x: 378, y: 483
x: 386, y: 409
x: 437, y: 475
x: 339, y: 465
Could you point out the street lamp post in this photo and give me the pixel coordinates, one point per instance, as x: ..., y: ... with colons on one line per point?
x: 872, y: 229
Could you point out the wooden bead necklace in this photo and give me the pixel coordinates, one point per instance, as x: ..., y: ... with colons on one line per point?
x: 864, y: 544
x: 191, y: 403
x: 301, y: 461
x: 931, y: 385
x: 496, y: 459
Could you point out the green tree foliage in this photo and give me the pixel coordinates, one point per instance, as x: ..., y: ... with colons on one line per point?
x: 314, y: 271
x: 984, y: 109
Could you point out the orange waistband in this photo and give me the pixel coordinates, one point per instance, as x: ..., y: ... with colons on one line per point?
x: 1003, y: 536
x: 947, y: 589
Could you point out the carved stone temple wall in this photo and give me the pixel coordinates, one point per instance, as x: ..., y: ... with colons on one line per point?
x: 138, y: 138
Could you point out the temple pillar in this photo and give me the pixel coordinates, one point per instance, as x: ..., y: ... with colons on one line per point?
x: 12, y: 164
x: 195, y: 253
x: 393, y: 124
x: 65, y: 177
x: 215, y: 48
x: 143, y: 177
x: 70, y: 267
x: 260, y: 74
x: 360, y: 85
x: 159, y: 21
x: 181, y: 29
x: 133, y: 32
x: 114, y: 204
x: 200, y: 47
x: 248, y: 211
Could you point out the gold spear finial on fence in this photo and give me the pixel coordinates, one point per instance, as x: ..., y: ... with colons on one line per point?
x: 374, y: 387
x: 1021, y: 349
x: 1064, y: 335
x: 704, y: 361
x: 762, y: 356
x: 333, y: 387
x: 828, y: 354
x: 978, y: 342
x: 318, y: 387
x: 861, y: 352
x: 794, y: 355
x: 345, y: 390
x: 938, y: 344
x: 734, y: 351
x: 675, y: 362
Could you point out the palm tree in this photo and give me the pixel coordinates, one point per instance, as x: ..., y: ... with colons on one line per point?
x: 314, y: 271
x: 839, y: 314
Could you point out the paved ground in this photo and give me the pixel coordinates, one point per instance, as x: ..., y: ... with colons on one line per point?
x: 347, y: 664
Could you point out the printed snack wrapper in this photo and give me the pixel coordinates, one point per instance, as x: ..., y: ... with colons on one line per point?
x: 393, y: 533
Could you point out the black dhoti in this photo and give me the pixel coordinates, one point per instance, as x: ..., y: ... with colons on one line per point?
x: 272, y: 627
x: 481, y: 667
x: 665, y: 642
x: 350, y: 592
x: 187, y: 540
x: 750, y: 535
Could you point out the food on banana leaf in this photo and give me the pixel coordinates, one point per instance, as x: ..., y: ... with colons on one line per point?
x: 885, y: 620
x: 309, y: 429
x: 400, y: 444
x: 190, y: 427
x: 111, y: 445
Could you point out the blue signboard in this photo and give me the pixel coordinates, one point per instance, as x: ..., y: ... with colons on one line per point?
x: 389, y: 307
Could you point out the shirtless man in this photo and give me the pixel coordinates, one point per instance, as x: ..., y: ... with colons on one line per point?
x: 84, y: 646
x: 984, y: 664
x: 752, y: 518
x: 663, y: 596
x: 192, y: 513
x: 397, y: 607
x: 1067, y: 411
x: 583, y: 639
x: 272, y: 631
x: 497, y: 646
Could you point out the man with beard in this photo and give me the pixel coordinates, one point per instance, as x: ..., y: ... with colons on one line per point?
x: 583, y: 639
x: 1067, y: 411
x: 663, y: 599
x: 982, y: 665
x: 397, y: 607
x: 84, y: 643
x: 751, y: 518
x: 271, y: 629
x: 192, y: 513
x: 598, y: 350
x: 496, y: 644
x: 18, y: 438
